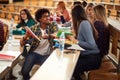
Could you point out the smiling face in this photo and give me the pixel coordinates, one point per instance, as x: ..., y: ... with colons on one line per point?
x: 23, y: 15
x: 45, y: 19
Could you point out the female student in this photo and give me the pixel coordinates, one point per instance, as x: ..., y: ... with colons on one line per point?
x: 62, y: 11
x: 25, y: 19
x: 101, y: 24
x: 84, y: 32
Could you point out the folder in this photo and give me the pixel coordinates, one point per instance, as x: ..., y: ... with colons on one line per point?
x: 6, y: 57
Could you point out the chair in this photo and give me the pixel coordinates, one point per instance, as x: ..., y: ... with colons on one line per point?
x: 16, y: 17
x: 108, y: 70
x: 9, y: 16
x: 6, y: 32
x: 1, y: 35
x: 3, y: 15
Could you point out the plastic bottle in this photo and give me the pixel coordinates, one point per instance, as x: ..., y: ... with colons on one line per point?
x: 10, y: 29
x: 62, y: 42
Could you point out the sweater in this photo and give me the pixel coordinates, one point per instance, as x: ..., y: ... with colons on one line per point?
x: 86, y: 39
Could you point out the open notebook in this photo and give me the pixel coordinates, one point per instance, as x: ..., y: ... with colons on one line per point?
x: 6, y: 57
x: 76, y: 47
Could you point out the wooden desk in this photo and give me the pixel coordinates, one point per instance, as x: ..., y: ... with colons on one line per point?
x: 56, y: 68
x: 9, y: 49
x: 115, y: 37
x: 114, y: 23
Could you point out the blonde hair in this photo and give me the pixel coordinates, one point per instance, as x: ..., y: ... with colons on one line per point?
x: 62, y: 5
x: 100, y: 14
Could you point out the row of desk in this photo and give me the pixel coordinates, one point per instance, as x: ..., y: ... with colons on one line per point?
x: 12, y: 48
x: 57, y: 67
x: 54, y: 68
x: 61, y: 68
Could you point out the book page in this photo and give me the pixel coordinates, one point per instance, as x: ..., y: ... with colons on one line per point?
x: 31, y: 33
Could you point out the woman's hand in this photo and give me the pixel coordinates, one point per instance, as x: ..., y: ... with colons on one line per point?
x: 71, y: 38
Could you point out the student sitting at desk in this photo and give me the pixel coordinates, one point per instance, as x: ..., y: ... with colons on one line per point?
x: 25, y: 19
x: 62, y: 12
x: 101, y: 25
x: 40, y: 49
x: 84, y: 32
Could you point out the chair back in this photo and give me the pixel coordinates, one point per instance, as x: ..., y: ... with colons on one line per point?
x: 6, y: 31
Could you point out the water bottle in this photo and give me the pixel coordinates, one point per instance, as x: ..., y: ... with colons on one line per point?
x: 62, y: 42
x: 10, y: 29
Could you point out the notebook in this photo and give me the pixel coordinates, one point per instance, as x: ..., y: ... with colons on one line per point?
x: 6, y: 57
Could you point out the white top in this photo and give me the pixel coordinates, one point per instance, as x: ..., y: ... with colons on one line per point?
x: 44, y: 45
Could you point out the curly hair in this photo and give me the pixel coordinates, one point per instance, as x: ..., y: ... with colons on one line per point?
x: 40, y: 12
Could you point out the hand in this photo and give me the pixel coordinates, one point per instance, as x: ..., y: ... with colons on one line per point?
x: 45, y: 36
x: 58, y: 13
x: 71, y: 38
x: 22, y: 43
x: 54, y: 35
x: 28, y: 34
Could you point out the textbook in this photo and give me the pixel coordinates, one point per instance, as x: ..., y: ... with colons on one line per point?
x: 6, y: 57
x: 31, y: 33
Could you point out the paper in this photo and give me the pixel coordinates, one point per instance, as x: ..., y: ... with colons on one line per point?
x: 31, y: 33
x: 6, y: 57
x: 75, y: 47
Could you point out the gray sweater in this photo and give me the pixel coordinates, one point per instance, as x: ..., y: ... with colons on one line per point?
x: 86, y: 39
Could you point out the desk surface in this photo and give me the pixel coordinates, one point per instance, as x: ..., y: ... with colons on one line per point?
x: 10, y: 48
x: 57, y: 68
x: 114, y: 23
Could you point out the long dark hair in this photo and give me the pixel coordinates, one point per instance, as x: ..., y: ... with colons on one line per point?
x: 27, y: 13
x: 78, y: 15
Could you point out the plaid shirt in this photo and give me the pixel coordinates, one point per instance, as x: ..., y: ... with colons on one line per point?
x: 1, y: 33
x: 37, y: 31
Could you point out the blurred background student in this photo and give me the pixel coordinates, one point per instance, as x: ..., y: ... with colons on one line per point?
x: 101, y: 24
x: 84, y: 4
x: 62, y: 11
x: 84, y: 36
x: 25, y: 19
x: 90, y: 12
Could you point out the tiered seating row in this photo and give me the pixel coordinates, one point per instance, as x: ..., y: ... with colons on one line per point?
x: 12, y: 11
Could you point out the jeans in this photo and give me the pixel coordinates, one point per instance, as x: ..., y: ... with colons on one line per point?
x: 32, y: 59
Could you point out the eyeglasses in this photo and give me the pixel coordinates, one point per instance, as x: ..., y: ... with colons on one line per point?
x: 45, y: 16
x: 23, y: 14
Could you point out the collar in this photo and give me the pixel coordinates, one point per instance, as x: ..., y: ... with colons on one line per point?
x: 26, y: 20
